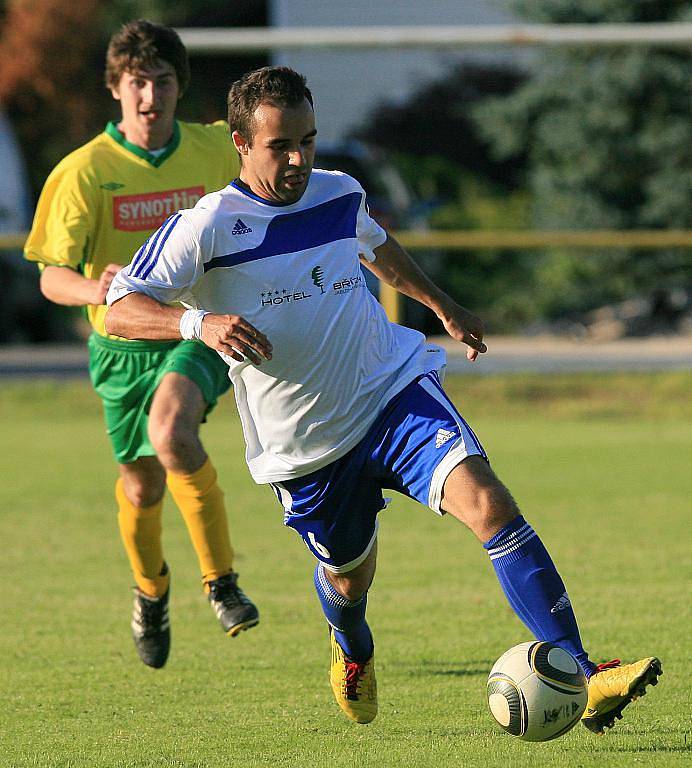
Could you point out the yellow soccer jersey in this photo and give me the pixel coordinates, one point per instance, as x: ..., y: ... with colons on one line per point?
x: 103, y: 200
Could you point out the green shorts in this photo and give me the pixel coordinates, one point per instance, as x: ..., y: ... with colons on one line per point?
x: 125, y: 375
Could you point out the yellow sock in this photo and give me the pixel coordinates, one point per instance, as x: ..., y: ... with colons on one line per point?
x: 140, y: 529
x: 201, y: 504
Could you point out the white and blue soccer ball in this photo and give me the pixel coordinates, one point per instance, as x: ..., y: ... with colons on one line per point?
x: 537, y: 691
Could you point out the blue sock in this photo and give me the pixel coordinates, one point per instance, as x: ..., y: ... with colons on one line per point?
x: 534, y: 588
x: 346, y: 617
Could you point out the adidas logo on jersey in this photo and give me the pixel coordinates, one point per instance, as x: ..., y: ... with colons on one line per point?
x: 240, y: 228
x: 443, y: 436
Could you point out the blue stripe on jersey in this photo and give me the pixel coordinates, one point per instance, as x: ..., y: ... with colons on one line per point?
x: 133, y: 264
x: 154, y: 251
x: 292, y: 232
x: 144, y: 253
x: 141, y: 254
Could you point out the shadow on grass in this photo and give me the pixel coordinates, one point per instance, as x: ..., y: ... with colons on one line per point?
x: 653, y: 748
x: 471, y: 668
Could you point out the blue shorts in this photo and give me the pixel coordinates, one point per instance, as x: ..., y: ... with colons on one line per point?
x: 411, y: 448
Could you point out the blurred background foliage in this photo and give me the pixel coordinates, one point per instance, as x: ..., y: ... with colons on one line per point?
x: 608, y: 140
x: 565, y: 139
x: 576, y: 139
x: 52, y: 58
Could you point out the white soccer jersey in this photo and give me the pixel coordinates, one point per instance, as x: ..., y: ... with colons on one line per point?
x: 293, y: 272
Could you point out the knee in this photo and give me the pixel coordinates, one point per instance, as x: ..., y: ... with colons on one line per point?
x: 352, y: 587
x: 141, y: 492
x: 143, y: 481
x: 172, y: 439
x: 143, y: 497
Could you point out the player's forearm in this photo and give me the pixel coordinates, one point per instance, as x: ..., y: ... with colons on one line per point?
x: 396, y: 268
x: 137, y: 316
x: 63, y: 285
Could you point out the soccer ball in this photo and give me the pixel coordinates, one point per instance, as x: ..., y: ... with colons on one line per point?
x: 537, y: 691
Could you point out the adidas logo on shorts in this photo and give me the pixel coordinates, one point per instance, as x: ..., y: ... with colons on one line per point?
x: 443, y: 436
x: 240, y: 228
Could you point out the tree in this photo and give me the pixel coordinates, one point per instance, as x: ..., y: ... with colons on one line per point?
x: 608, y: 138
x: 52, y: 57
x: 436, y: 122
x: 444, y: 157
x: 44, y: 88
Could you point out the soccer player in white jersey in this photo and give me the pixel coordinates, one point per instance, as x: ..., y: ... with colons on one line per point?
x: 336, y: 402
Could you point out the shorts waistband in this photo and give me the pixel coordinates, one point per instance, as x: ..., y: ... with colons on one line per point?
x: 135, y: 345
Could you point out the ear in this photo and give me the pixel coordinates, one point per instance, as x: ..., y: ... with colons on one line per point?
x: 115, y: 93
x: 240, y: 143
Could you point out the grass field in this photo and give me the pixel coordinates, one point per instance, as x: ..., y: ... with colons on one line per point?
x: 601, y: 466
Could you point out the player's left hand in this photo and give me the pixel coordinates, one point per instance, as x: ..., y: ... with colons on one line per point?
x: 464, y: 326
x: 236, y: 337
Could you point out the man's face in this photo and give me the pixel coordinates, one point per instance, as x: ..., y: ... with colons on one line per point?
x: 277, y: 164
x: 148, y: 100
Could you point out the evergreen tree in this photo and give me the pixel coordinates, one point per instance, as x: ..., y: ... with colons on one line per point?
x: 608, y: 136
x: 446, y: 161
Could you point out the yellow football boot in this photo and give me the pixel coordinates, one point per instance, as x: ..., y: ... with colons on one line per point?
x: 353, y: 684
x: 612, y: 688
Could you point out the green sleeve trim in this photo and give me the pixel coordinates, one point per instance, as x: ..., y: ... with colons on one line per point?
x: 116, y: 135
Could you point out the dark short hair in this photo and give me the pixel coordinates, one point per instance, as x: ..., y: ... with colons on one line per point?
x: 141, y: 45
x: 279, y: 86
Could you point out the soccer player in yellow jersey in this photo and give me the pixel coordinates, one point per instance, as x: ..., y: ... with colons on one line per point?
x: 97, y: 207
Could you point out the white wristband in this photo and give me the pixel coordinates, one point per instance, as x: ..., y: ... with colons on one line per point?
x: 191, y: 323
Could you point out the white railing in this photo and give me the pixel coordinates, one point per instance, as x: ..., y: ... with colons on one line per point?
x: 254, y: 39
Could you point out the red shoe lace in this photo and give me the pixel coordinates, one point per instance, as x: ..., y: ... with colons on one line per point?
x: 354, y: 670
x: 608, y: 665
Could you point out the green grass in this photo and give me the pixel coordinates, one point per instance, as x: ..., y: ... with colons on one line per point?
x: 600, y: 466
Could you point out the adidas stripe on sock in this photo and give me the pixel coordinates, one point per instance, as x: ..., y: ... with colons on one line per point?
x: 534, y: 588
x: 347, y: 618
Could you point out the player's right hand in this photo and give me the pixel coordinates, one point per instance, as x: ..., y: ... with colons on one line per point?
x: 236, y: 337
x: 102, y: 285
